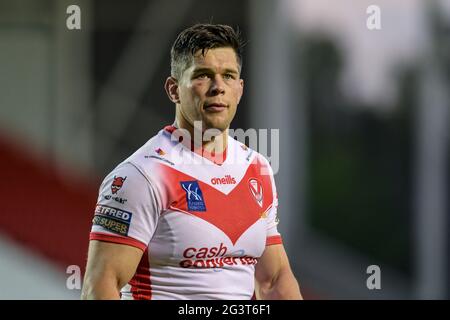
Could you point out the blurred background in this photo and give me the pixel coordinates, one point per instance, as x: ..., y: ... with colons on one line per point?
x: 363, y: 116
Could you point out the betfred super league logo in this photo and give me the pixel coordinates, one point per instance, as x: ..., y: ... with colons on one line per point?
x: 117, y: 184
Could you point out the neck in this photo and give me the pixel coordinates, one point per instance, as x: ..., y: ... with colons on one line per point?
x: 211, y: 144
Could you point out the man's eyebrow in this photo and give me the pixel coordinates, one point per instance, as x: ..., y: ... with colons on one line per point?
x: 209, y: 70
x: 228, y: 70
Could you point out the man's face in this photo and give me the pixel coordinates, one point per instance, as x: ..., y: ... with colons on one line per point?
x: 211, y: 88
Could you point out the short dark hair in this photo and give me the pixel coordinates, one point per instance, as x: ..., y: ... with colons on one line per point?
x: 203, y: 37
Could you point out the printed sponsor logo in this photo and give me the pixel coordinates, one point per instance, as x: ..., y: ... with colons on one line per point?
x: 205, y: 252
x: 256, y: 190
x: 194, y: 196
x: 118, y: 199
x: 224, y: 180
x: 112, y: 219
x: 113, y: 213
x: 214, y: 257
x: 160, y: 152
x: 111, y: 225
x: 117, y: 184
x: 159, y: 158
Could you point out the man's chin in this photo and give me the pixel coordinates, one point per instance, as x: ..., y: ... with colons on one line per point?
x: 218, y: 124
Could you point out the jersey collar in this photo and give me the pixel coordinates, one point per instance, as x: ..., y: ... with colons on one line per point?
x: 216, y: 158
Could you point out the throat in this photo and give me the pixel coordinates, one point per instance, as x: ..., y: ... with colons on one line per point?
x: 214, y: 150
x: 211, y: 147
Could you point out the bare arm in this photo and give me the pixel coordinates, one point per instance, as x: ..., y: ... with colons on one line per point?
x: 109, y: 267
x: 274, y: 277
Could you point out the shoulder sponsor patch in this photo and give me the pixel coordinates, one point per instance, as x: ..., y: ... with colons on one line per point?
x: 112, y: 219
x: 194, y: 196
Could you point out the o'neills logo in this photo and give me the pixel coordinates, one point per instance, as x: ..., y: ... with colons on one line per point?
x: 225, y: 180
x: 214, y: 257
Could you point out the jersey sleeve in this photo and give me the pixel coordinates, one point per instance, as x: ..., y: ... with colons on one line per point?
x: 272, y: 234
x: 127, y: 208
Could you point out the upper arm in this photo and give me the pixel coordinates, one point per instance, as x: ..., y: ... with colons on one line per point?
x: 125, y: 219
x: 273, y: 261
x: 273, y: 276
x: 109, y: 267
x: 273, y: 272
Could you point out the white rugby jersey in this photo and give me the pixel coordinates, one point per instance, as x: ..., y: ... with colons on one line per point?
x: 202, y: 224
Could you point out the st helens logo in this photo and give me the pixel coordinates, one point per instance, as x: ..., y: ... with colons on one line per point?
x: 256, y: 190
x: 117, y: 184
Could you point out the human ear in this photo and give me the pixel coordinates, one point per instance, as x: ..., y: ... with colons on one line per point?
x: 241, y: 91
x: 171, y: 87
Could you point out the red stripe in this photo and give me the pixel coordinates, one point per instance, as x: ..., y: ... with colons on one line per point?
x: 28, y: 218
x: 273, y: 240
x: 117, y: 239
x: 141, y: 285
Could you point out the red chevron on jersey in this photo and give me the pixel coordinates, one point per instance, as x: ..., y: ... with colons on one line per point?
x: 224, y: 211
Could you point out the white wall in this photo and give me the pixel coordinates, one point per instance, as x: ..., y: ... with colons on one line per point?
x: 27, y: 275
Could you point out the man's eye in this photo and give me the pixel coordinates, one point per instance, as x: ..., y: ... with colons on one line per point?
x: 202, y: 76
x: 228, y: 76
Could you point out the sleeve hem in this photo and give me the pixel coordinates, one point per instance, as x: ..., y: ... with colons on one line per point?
x: 117, y: 239
x: 274, y: 240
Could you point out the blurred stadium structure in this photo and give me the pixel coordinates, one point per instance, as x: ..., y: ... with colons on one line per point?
x: 363, y: 118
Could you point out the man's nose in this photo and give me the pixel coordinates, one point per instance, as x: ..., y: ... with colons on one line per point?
x: 218, y: 85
